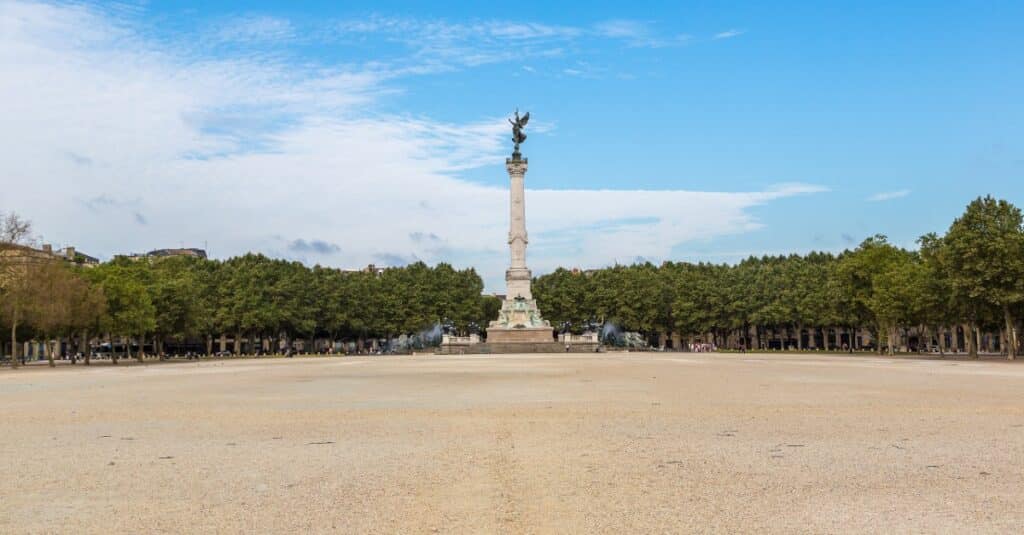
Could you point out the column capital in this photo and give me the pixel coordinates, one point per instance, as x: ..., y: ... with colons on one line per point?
x: 516, y: 166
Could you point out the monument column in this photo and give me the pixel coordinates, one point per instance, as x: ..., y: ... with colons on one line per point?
x: 517, y: 278
x: 519, y: 326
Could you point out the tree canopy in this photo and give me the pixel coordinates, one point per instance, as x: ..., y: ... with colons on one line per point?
x: 969, y: 279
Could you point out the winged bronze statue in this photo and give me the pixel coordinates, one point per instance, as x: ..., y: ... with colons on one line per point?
x: 517, y: 130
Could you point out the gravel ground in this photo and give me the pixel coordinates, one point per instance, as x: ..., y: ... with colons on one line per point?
x: 614, y: 443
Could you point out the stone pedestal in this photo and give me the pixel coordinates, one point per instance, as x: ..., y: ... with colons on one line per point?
x: 526, y: 335
x: 519, y: 320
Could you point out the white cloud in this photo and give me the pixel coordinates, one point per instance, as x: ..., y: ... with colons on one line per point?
x: 729, y: 34
x: 889, y: 195
x: 244, y: 154
x: 440, y: 42
x: 249, y: 29
x: 637, y: 34
x: 436, y: 45
x: 622, y: 29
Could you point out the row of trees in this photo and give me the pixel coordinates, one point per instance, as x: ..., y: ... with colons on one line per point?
x: 173, y: 299
x: 972, y: 276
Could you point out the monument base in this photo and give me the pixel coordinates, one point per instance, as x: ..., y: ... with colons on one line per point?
x: 522, y: 335
x: 488, y: 348
x: 519, y: 322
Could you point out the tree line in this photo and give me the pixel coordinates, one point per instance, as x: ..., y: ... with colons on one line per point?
x: 157, y: 301
x: 971, y: 277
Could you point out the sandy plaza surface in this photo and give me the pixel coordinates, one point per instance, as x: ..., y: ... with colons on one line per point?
x: 612, y: 443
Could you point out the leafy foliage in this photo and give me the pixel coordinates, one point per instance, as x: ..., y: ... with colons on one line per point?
x: 968, y: 279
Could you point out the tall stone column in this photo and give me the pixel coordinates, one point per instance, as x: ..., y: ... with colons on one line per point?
x: 519, y: 326
x: 517, y: 278
x: 519, y: 321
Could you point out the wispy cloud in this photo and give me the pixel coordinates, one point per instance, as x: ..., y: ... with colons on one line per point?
x: 622, y: 29
x: 889, y: 195
x: 253, y: 29
x: 436, y: 45
x: 789, y: 189
x: 313, y: 246
x: 637, y: 34
x: 420, y: 237
x: 79, y: 159
x: 729, y: 34
x: 390, y: 259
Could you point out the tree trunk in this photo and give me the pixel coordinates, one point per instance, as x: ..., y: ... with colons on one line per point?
x: 238, y: 343
x: 14, y: 341
x: 209, y: 345
x: 85, y: 348
x: 800, y: 337
x: 892, y: 340
x: 1011, y: 333
x: 972, y: 347
x: 49, y: 353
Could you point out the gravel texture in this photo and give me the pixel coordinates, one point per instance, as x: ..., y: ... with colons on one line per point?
x: 612, y: 443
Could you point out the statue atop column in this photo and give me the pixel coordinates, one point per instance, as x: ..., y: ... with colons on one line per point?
x: 517, y: 132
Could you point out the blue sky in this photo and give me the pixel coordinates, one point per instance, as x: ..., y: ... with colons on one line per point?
x: 723, y: 130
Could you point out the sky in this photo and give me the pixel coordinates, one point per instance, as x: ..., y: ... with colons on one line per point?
x: 348, y: 133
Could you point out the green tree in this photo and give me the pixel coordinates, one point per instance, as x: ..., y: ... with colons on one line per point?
x: 561, y: 295
x: 895, y: 295
x: 853, y: 282
x: 15, y: 298
x: 938, y: 305
x: 130, y: 310
x: 984, y: 252
x: 88, y: 307
x: 174, y: 293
